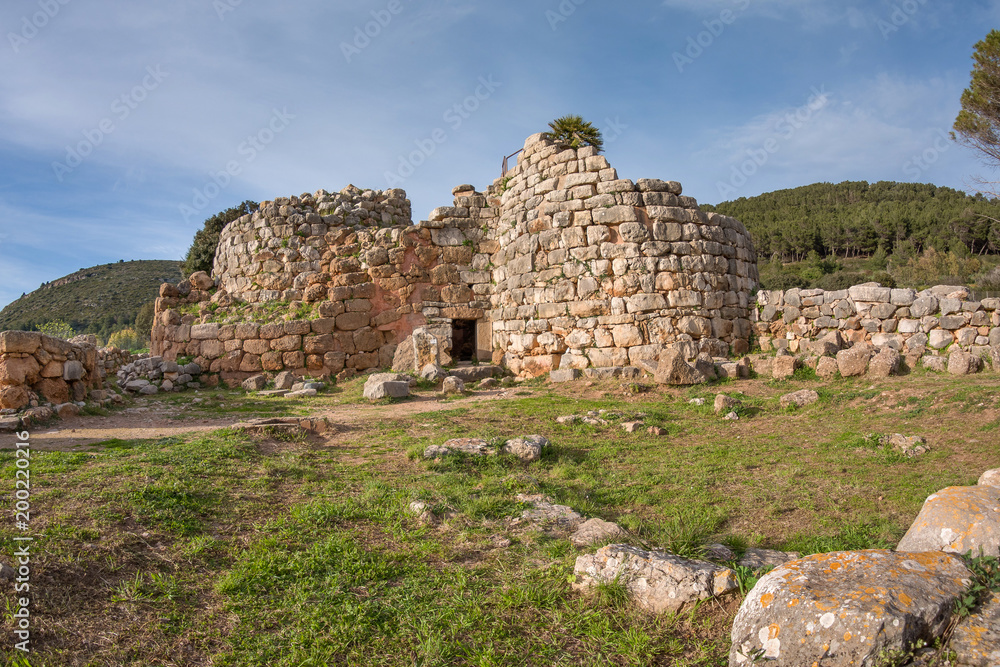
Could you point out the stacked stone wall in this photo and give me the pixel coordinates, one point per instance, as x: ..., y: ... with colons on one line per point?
x: 363, y: 284
x: 597, y: 271
x: 53, y: 369
x: 560, y: 264
x: 932, y: 321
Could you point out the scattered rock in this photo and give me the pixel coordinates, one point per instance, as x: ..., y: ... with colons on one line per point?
x: 565, y: 375
x: 674, y: 370
x: 470, y: 446
x: 10, y: 423
x: 542, y: 510
x: 432, y: 373
x: 957, y: 519
x: 568, y: 419
x: 527, y: 448
x: 696, y: 401
x: 846, y: 607
x: 827, y: 367
x: 799, y: 399
x: 725, y: 403
x: 453, y: 385
x: 417, y: 507
x: 489, y: 383
x: 656, y: 430
x: 632, y: 427
x: 990, y: 478
x: 67, y: 410
x: 719, y: 553
x: 732, y: 416
x: 377, y: 388
x: 755, y: 559
x: 657, y: 581
x: 7, y: 573
x: 284, y: 380
x: 911, y: 446
x: 255, y: 383
x: 593, y: 531
x: 934, y: 363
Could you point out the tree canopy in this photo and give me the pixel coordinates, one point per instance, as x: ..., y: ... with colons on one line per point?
x: 574, y: 132
x: 856, y: 218
x: 201, y: 254
x: 978, y: 123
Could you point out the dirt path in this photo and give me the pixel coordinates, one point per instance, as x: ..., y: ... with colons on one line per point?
x: 157, y: 420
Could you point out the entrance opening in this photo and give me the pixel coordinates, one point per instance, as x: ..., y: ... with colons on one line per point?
x: 463, y: 340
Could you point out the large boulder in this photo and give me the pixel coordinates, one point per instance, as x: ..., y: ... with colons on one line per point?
x: 976, y: 639
x: 673, y: 369
x: 845, y: 608
x: 784, y: 366
x: 854, y: 361
x: 957, y: 519
x: 657, y: 581
x: 885, y: 363
x: 961, y: 362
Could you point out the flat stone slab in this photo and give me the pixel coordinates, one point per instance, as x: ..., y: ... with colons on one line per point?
x: 273, y: 392
x: 656, y: 581
x: 475, y: 373
x: 10, y: 423
x: 289, y: 425
x: 544, y: 511
x: 468, y: 446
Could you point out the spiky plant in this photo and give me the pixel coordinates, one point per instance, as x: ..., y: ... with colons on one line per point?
x: 574, y: 132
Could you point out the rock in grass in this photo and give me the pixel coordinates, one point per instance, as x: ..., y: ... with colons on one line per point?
x: 854, y: 361
x: 799, y: 399
x: 885, y: 363
x: 913, y: 445
x: 385, y: 389
x: 656, y: 581
x: 255, y: 383
x: 543, y: 511
x: 844, y: 608
x: 725, y: 403
x: 756, y: 559
x: 527, y: 448
x: 453, y: 385
x: 990, y: 478
x: 957, y: 519
x: 593, y: 531
x: 284, y: 380
x: 674, y: 370
x: 470, y: 446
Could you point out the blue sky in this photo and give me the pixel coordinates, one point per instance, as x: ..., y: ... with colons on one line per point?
x: 123, y: 125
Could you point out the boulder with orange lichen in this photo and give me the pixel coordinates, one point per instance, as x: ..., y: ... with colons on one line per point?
x: 976, y: 640
x: 957, y: 519
x: 845, y: 608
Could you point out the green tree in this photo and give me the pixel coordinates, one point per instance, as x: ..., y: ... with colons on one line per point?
x: 978, y: 123
x: 201, y: 254
x: 574, y: 132
x: 144, y: 319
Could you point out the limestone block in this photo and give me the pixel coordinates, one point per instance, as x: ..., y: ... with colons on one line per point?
x: 845, y: 608
x: 657, y: 581
x: 956, y: 519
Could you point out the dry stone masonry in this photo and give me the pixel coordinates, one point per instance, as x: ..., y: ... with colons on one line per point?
x: 940, y: 327
x: 51, y: 369
x: 560, y: 265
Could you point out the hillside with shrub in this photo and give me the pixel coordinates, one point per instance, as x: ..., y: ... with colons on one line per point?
x: 100, y: 300
x: 903, y: 234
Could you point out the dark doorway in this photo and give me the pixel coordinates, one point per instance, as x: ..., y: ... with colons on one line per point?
x: 463, y: 340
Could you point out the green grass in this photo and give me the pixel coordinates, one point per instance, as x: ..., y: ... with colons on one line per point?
x: 300, y: 552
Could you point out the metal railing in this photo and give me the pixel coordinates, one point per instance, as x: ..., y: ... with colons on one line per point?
x: 503, y: 171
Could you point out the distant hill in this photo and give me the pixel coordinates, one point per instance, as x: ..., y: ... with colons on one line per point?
x: 101, y: 299
x: 855, y: 218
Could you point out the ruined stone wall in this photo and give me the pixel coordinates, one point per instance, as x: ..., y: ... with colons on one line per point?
x: 596, y: 271
x: 321, y: 294
x: 560, y: 265
x: 914, y: 323
x: 53, y: 369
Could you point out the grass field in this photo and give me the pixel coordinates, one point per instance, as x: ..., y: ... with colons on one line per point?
x: 221, y: 549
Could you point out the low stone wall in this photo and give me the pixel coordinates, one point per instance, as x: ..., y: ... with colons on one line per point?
x: 56, y: 370
x: 913, y: 323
